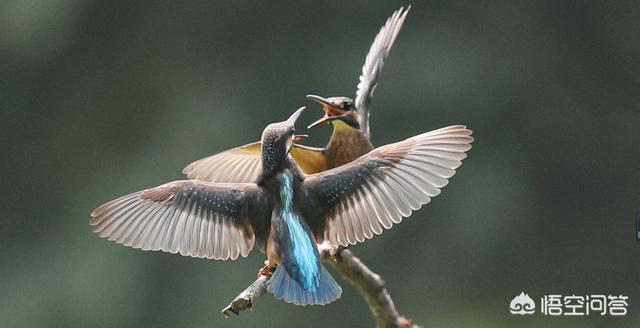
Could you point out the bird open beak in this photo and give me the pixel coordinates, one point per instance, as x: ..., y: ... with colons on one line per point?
x: 329, y: 108
x: 331, y: 112
x: 300, y: 137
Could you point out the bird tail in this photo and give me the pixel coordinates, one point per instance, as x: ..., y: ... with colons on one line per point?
x: 286, y: 288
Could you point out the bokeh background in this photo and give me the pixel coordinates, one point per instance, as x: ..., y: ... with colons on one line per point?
x: 102, y: 98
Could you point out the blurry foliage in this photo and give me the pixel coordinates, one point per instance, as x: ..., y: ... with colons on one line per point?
x: 101, y: 98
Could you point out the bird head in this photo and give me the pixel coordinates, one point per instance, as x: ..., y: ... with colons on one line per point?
x: 277, y: 140
x: 338, y: 111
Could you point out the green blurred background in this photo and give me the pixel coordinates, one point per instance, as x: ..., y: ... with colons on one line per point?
x: 102, y: 98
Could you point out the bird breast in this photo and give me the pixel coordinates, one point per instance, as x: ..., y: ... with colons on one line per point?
x: 345, y: 146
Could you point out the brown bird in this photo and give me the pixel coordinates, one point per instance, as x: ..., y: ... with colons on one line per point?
x: 350, y: 121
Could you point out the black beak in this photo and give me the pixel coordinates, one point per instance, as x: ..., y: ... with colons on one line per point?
x: 294, y: 117
x: 331, y: 112
x: 322, y: 100
x: 325, y: 120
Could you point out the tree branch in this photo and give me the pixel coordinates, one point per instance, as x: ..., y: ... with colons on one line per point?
x: 369, y: 284
x: 248, y: 296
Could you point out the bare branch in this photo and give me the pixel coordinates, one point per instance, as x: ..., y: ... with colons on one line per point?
x: 249, y: 296
x: 368, y: 283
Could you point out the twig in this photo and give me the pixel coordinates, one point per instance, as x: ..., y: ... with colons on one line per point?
x: 249, y: 296
x: 369, y: 285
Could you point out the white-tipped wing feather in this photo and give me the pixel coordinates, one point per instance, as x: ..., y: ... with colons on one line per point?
x: 373, y: 65
x: 188, y: 217
x: 379, y: 189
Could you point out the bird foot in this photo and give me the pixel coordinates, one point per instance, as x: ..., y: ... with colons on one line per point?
x: 266, y: 271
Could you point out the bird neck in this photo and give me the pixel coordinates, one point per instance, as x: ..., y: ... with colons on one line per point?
x: 340, y: 125
x: 345, y: 145
x: 274, y: 165
x: 274, y: 156
x: 300, y: 251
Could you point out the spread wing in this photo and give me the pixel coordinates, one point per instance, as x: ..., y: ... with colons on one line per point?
x: 237, y: 165
x: 310, y: 159
x: 243, y: 164
x: 189, y: 217
x: 373, y: 65
x: 381, y: 188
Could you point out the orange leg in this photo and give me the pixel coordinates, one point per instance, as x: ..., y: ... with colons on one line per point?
x: 266, y: 271
x: 273, y: 256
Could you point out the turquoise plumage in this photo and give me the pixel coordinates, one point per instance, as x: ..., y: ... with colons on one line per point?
x: 301, y: 279
x: 303, y: 253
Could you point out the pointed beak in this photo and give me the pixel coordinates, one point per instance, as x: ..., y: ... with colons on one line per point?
x: 331, y: 112
x: 294, y: 117
x: 321, y: 100
x: 324, y: 120
x: 329, y: 107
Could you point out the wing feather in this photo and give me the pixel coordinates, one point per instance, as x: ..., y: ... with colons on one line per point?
x: 237, y: 165
x: 386, y: 185
x: 373, y: 63
x: 193, y: 218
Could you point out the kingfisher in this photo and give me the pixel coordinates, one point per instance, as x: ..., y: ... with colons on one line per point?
x: 350, y: 137
x: 350, y: 120
x: 285, y: 212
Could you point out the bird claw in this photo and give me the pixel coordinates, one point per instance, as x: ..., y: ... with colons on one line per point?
x: 266, y: 271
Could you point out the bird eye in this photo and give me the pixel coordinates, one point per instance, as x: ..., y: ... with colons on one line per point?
x: 347, y: 105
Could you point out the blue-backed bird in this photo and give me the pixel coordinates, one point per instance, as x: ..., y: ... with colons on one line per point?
x: 350, y: 121
x: 285, y: 212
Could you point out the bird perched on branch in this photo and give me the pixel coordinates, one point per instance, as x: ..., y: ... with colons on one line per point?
x: 285, y: 212
x: 350, y: 121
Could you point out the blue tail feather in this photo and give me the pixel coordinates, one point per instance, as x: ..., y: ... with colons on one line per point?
x: 285, y: 287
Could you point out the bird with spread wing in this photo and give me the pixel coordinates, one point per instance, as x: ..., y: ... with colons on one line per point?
x: 285, y: 212
x: 350, y: 121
